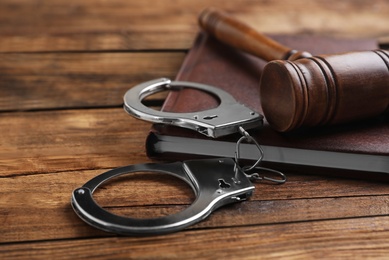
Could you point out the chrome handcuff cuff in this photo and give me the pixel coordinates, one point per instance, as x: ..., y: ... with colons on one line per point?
x: 220, y: 121
x: 216, y: 182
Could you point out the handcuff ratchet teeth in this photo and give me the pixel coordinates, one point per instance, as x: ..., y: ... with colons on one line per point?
x: 216, y: 182
x: 222, y: 120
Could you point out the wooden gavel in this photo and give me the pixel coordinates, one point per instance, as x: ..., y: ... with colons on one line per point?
x: 299, y: 90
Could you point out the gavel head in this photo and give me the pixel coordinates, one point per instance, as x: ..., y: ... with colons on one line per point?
x: 325, y: 89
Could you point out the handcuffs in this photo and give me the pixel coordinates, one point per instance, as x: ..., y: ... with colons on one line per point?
x: 216, y: 182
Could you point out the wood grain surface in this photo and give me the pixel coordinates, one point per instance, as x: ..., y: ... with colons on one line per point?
x: 64, y: 68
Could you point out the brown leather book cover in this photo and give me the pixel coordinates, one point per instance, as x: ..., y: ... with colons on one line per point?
x: 214, y: 63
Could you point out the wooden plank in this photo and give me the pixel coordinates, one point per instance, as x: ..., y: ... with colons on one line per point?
x: 68, y: 80
x: 54, y: 141
x: 346, y: 239
x: 132, y: 25
x: 41, y: 210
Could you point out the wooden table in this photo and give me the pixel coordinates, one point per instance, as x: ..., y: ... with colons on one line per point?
x: 64, y: 68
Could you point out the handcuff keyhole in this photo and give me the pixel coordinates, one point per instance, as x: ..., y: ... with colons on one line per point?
x: 210, y: 117
x: 223, y: 184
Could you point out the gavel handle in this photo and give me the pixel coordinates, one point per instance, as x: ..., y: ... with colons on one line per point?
x: 239, y: 35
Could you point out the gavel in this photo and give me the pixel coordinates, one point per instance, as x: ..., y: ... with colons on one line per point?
x: 297, y: 89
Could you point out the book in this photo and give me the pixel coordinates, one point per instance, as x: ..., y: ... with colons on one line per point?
x: 358, y: 146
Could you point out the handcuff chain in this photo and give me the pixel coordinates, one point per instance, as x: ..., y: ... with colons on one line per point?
x: 255, y: 176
